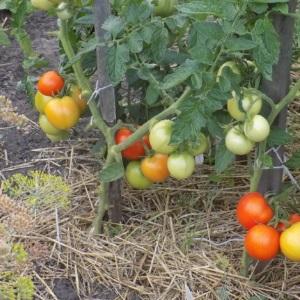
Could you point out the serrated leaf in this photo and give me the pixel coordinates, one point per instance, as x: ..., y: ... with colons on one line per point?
x: 239, y: 44
x: 159, y: 43
x: 112, y: 172
x: 180, y: 74
x: 118, y: 56
x: 294, y: 161
x: 114, y: 25
x: 223, y: 158
x: 278, y: 137
x: 135, y: 42
x: 137, y: 11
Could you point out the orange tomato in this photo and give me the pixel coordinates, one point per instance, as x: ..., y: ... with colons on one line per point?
x: 262, y: 242
x: 155, y: 168
x: 253, y: 209
x: 50, y: 83
x: 62, y: 113
x: 79, y: 100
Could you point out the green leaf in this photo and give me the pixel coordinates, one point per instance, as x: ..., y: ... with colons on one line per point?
x: 159, y: 43
x: 114, y: 25
x: 118, y: 56
x: 4, y: 40
x: 278, y: 137
x: 152, y: 94
x: 112, y: 172
x: 294, y: 161
x: 239, y: 44
x: 223, y: 158
x: 135, y: 42
x: 267, y: 160
x: 137, y: 11
x: 180, y: 74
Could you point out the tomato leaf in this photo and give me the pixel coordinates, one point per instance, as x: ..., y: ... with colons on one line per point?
x: 278, y: 137
x: 112, y: 172
x: 294, y: 161
x: 223, y: 158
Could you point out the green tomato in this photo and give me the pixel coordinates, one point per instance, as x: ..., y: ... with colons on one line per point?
x: 160, y: 137
x: 47, y: 127
x: 63, y: 12
x: 40, y: 101
x: 42, y: 4
x: 230, y: 64
x: 257, y: 129
x: 63, y: 135
x: 237, y: 143
x: 181, y: 165
x: 200, y: 147
x: 135, y: 176
x: 165, y: 8
x: 251, y: 105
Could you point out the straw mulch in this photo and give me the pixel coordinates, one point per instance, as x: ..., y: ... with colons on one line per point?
x: 179, y: 240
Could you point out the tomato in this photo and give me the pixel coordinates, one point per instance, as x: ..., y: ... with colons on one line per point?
x: 62, y: 113
x: 229, y: 64
x: 76, y: 95
x: 294, y: 218
x: 63, y: 12
x: 251, y: 104
x: 262, y: 242
x: 135, y: 176
x: 155, y: 168
x: 237, y: 143
x: 290, y: 242
x: 200, y: 147
x: 46, y: 126
x: 160, y: 137
x: 42, y: 4
x: 50, y: 83
x: 253, y: 209
x: 40, y: 101
x: 165, y: 8
x: 281, y: 226
x: 181, y: 165
x: 257, y: 129
x: 63, y: 135
x: 146, y: 141
x: 135, y: 151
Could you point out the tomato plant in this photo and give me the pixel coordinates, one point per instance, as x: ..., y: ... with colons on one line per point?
x: 200, y: 146
x: 135, y: 176
x: 253, y: 209
x: 155, y: 167
x: 62, y: 113
x: 133, y: 152
x: 181, y: 165
x: 77, y: 96
x: 290, y: 242
x: 257, y: 129
x: 262, y: 242
x: 50, y: 83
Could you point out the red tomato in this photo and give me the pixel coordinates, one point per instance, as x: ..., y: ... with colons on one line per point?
x: 294, y: 218
x: 253, y: 209
x: 281, y: 227
x: 155, y: 168
x: 50, y: 83
x: 262, y: 242
x: 135, y: 151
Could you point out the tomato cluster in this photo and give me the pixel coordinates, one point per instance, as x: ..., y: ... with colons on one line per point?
x: 263, y: 241
x: 163, y: 159
x: 251, y: 127
x: 57, y: 114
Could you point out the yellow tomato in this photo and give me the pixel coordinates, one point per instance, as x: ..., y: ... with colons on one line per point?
x: 62, y: 113
x: 78, y: 98
x: 290, y: 242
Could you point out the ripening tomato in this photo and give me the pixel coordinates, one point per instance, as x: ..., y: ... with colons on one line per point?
x: 62, y: 113
x: 237, y: 143
x: 50, y: 83
x: 135, y: 151
x: 46, y: 126
x: 257, y: 129
x: 63, y: 135
x: 160, y: 137
x: 262, y: 242
x: 290, y: 242
x: 155, y: 167
x: 135, y: 176
x: 294, y: 218
x: 42, y: 4
x: 181, y: 165
x: 253, y: 209
x: 251, y: 104
x: 40, y: 101
x: 76, y: 95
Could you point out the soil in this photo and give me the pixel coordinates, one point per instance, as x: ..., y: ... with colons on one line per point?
x: 16, y: 145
